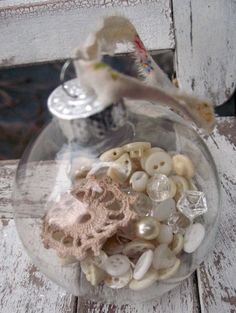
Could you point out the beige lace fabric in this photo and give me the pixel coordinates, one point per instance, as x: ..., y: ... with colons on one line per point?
x: 80, y: 223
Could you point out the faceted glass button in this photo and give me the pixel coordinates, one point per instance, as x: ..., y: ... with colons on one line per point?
x: 192, y: 204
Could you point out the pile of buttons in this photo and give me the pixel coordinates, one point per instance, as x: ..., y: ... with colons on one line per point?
x: 168, y: 205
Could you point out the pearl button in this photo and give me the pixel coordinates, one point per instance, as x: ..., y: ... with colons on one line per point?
x: 147, y: 228
x: 193, y: 237
x: 139, y: 181
x: 116, y: 265
x: 183, y: 166
x: 143, y: 264
x: 158, y: 162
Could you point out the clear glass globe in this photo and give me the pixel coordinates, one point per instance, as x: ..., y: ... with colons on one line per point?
x: 46, y: 170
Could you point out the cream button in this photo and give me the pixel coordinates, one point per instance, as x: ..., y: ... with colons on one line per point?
x: 163, y: 257
x: 177, y: 244
x: 120, y: 169
x: 68, y: 260
x: 181, y: 185
x: 173, y: 188
x: 158, y: 162
x: 193, y: 237
x: 148, y: 280
x: 147, y: 153
x: 119, y: 282
x: 93, y: 274
x: 165, y: 235
x: 169, y: 272
x: 139, y: 181
x: 136, y: 149
x: 136, y: 247
x: 116, y: 265
x: 183, y: 166
x: 112, y: 155
x: 143, y: 264
x: 163, y: 210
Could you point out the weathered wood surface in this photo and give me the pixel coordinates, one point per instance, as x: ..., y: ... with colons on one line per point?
x: 27, y: 27
x: 217, y: 276
x: 24, y: 289
x: 206, y: 47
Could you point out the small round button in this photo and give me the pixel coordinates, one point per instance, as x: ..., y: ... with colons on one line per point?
x: 158, y: 162
x: 119, y: 282
x: 137, y: 247
x: 147, y: 153
x: 183, y: 166
x: 116, y: 265
x: 143, y: 264
x: 139, y: 181
x: 177, y: 244
x: 169, y: 272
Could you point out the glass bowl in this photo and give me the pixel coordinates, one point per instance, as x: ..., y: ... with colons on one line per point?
x: 46, y: 170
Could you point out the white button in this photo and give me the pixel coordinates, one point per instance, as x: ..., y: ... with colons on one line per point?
x: 139, y: 181
x: 165, y: 235
x: 111, y: 155
x: 116, y: 265
x: 136, y: 247
x: 149, y: 279
x: 177, y: 244
x: 163, y: 209
x: 147, y: 153
x: 163, y: 257
x: 143, y: 264
x: 169, y: 272
x: 158, y: 162
x: 119, y: 282
x: 193, y: 237
x: 183, y: 166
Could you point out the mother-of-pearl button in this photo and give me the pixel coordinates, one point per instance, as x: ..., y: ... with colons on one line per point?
x: 139, y: 181
x: 165, y: 235
x: 158, y: 162
x: 162, y: 210
x: 163, y: 257
x: 119, y: 282
x: 177, y: 244
x: 169, y: 272
x: 193, y: 237
x: 147, y: 153
x: 143, y: 264
x: 111, y: 155
x: 183, y: 166
x: 136, y: 149
x: 149, y: 279
x: 116, y: 265
x: 137, y: 246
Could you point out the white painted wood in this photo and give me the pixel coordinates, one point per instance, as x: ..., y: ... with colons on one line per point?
x: 206, y: 47
x: 49, y: 30
x: 216, y: 277
x: 23, y: 289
